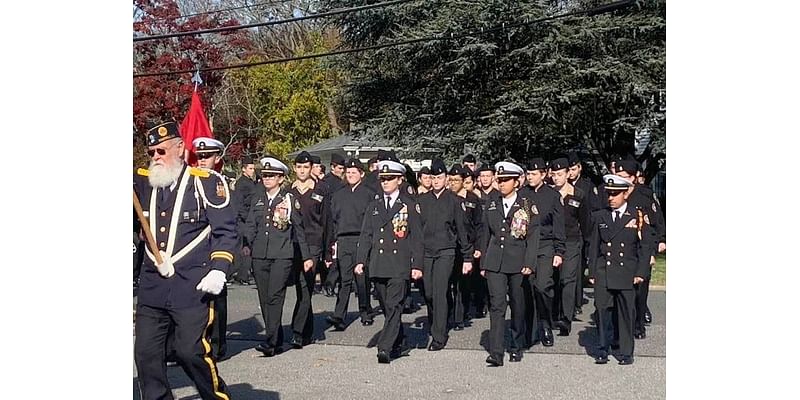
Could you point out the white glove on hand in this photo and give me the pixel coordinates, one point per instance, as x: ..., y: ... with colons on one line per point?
x: 166, y: 269
x: 213, y: 282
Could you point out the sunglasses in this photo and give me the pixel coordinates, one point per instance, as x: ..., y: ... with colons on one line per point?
x: 505, y: 179
x: 203, y: 156
x: 270, y: 175
x: 160, y: 152
x: 387, y: 178
x: 615, y: 193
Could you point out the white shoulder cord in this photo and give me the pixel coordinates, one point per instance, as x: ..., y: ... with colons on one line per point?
x: 199, y: 184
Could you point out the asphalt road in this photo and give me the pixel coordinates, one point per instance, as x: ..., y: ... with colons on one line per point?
x: 342, y: 365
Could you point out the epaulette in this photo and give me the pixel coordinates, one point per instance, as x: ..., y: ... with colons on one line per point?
x: 199, y: 172
x: 143, y: 172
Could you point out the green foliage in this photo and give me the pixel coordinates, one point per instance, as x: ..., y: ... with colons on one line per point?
x: 287, y: 102
x: 536, y: 90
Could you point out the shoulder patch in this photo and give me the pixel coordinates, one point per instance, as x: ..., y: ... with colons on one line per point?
x: 418, y: 209
x: 535, y: 210
x: 377, y: 196
x: 463, y: 207
x: 199, y: 172
x: 594, y: 190
x: 220, y: 189
x: 410, y: 189
x: 143, y: 172
x: 296, y: 204
x: 654, y: 207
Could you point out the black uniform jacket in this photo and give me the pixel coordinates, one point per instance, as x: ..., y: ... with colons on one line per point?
x: 506, y: 250
x: 443, y: 223
x: 196, y: 236
x: 616, y: 252
x: 391, y: 240
x: 275, y: 237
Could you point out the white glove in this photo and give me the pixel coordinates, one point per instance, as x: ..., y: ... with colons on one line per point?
x: 213, y: 282
x: 166, y: 269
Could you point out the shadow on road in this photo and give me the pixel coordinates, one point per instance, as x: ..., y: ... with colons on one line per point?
x: 239, y: 391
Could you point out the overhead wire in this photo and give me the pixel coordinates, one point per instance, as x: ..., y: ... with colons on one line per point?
x: 475, y: 32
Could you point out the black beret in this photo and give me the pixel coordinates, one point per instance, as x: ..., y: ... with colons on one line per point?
x: 628, y: 166
x: 438, y: 167
x: 387, y: 155
x: 316, y: 160
x: 337, y: 159
x: 248, y: 160
x: 469, y: 158
x: 460, y: 170
x: 573, y: 159
x: 536, y: 164
x: 353, y: 163
x: 302, y: 158
x: 424, y: 171
x: 486, y: 167
x: 372, y: 160
x: 161, y: 132
x: 559, y: 163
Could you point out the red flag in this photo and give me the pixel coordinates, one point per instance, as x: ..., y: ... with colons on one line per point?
x: 195, y: 125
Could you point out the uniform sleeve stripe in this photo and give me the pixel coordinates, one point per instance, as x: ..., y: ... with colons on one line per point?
x: 222, y: 254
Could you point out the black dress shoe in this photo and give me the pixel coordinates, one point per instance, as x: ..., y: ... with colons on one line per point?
x: 547, y: 337
x: 648, y: 318
x: 383, y: 357
x: 626, y: 360
x: 329, y: 292
x: 564, y: 328
x: 435, y: 346
x: 297, y: 343
x: 494, y: 362
x: 578, y: 311
x: 601, y: 359
x: 480, y: 314
x: 337, y: 323
x: 367, y: 322
x: 515, y: 356
x: 639, y: 335
x: 459, y: 327
x: 266, y: 350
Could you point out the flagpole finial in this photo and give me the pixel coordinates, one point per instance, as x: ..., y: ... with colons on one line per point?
x: 197, y: 79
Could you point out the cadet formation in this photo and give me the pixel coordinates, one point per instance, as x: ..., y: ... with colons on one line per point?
x: 475, y: 238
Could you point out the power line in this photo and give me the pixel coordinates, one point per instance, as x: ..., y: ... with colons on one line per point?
x: 591, y: 12
x: 269, y: 23
x: 224, y: 10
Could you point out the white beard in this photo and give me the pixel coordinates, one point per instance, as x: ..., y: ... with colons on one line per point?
x: 161, y: 176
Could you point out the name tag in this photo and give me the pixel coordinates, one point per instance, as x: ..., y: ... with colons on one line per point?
x: 574, y: 203
x: 317, y: 197
x: 469, y: 205
x: 260, y: 202
x: 603, y: 226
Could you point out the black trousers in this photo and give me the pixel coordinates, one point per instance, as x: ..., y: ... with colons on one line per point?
x: 303, y: 316
x: 242, y: 264
x: 138, y: 258
x: 642, y: 290
x: 502, y: 284
x: 220, y: 326
x: 345, y: 264
x: 193, y: 351
x: 459, y: 290
x: 615, y: 311
x: 568, y: 276
x: 478, y: 289
x: 436, y: 273
x: 391, y: 292
x: 539, y: 295
x: 272, y: 277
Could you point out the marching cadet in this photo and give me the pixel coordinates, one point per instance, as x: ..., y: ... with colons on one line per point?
x: 551, y: 252
x: 444, y: 231
x: 317, y: 169
x: 335, y: 179
x: 348, y: 207
x: 391, y: 241
x: 619, y: 257
x: 461, y: 284
x: 209, y: 154
x: 576, y: 220
x: 274, y: 227
x: 246, y: 185
x: 641, y: 197
x: 311, y: 200
x: 510, y: 247
x: 583, y: 183
x: 477, y: 283
x: 487, y: 186
x: 194, y: 226
x: 424, y: 180
x: 469, y: 162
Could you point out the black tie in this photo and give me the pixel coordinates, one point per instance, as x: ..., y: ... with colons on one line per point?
x: 165, y: 194
x: 387, y: 202
x: 616, y: 215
